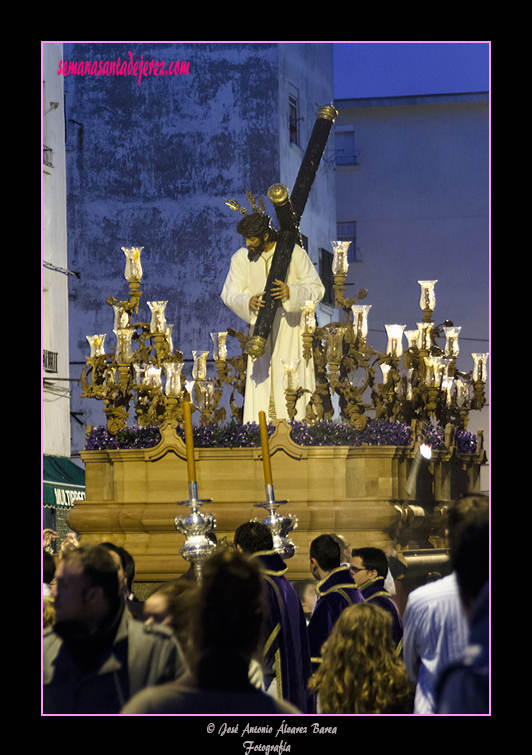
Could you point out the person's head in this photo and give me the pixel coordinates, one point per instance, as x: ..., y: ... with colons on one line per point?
x: 469, y: 546
x: 324, y: 556
x: 360, y: 672
x: 253, y: 537
x: 86, y: 586
x: 368, y: 563
x: 345, y: 550
x: 464, y: 508
x: 169, y: 601
x: 231, y: 605
x: 172, y: 605
x: 48, y: 612
x: 128, y: 564
x: 156, y: 609
x: 48, y: 567
x: 119, y: 556
x: 257, y: 232
x: 306, y: 592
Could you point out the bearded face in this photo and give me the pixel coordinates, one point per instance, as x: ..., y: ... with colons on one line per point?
x: 256, y: 230
x: 256, y: 246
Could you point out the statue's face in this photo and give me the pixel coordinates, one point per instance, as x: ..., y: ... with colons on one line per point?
x: 256, y: 244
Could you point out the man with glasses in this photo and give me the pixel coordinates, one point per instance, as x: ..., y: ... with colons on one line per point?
x: 369, y: 567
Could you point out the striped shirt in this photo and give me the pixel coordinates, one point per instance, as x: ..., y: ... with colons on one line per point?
x: 435, y: 635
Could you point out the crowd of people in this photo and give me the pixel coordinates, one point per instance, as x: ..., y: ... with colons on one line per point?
x: 246, y: 640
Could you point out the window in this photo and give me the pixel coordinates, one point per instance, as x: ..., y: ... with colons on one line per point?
x: 344, y: 146
x: 348, y: 232
x: 326, y: 276
x: 49, y: 361
x: 293, y: 114
x: 47, y: 156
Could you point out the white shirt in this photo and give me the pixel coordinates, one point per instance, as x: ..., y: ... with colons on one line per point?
x: 435, y: 635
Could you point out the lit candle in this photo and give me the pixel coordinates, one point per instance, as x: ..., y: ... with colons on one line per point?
x: 451, y: 341
x: 191, y: 466
x: 133, y: 266
x: 123, y: 351
x: 97, y: 345
x: 360, y: 319
x: 395, y: 339
x: 340, y: 264
x: 173, y: 378
x: 220, y: 349
x: 427, y: 299
x: 199, y: 371
x: 158, y: 319
x: 308, y: 317
x: 290, y: 376
x: 265, y: 450
x: 480, y: 369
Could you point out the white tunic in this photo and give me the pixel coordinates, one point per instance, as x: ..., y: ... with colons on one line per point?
x: 244, y: 280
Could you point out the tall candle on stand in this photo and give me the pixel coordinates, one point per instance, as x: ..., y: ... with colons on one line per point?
x: 197, y: 545
x: 191, y: 464
x: 279, y: 525
x: 266, y: 456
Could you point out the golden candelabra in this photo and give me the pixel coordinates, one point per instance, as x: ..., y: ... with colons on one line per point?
x: 420, y: 381
x: 427, y: 386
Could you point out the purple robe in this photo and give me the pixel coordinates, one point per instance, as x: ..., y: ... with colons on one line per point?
x: 374, y: 592
x: 286, y: 649
x: 335, y: 592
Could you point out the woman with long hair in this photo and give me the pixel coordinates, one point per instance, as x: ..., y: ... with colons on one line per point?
x: 360, y: 671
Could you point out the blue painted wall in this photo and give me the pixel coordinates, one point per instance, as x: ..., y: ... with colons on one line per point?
x: 149, y: 164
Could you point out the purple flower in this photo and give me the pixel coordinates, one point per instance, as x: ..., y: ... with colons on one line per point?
x: 235, y: 435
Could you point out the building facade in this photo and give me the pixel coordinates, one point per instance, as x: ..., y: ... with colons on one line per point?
x: 64, y: 482
x: 412, y: 189
x: 150, y: 161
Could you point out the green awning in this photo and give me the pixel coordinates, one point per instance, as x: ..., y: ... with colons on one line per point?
x: 63, y: 482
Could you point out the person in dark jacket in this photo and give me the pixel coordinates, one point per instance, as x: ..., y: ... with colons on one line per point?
x: 335, y: 589
x: 96, y: 656
x: 369, y: 567
x: 227, y: 629
x: 286, y: 662
x: 464, y: 687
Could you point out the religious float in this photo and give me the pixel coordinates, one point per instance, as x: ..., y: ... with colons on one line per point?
x: 377, y: 462
x: 384, y: 480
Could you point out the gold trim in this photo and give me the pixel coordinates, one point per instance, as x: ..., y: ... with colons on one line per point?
x: 380, y: 594
x: 278, y: 194
x: 256, y: 347
x: 270, y: 572
x: 368, y: 582
x: 270, y: 581
x: 269, y: 642
x: 334, y: 571
x: 340, y: 589
x: 327, y: 112
x: 271, y: 552
x: 278, y: 674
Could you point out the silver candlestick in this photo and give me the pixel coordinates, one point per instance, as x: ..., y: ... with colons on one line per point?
x: 195, y: 526
x: 280, y: 526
